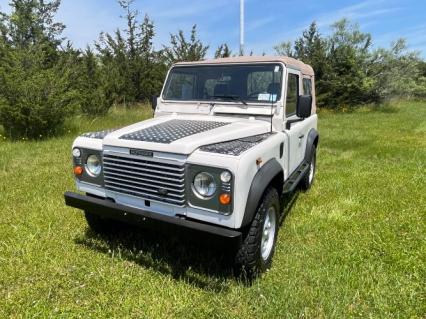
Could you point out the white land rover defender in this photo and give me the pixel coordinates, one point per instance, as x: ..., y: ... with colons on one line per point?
x: 228, y: 138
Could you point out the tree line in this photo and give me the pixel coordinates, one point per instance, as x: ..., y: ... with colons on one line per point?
x: 350, y: 72
x: 44, y: 79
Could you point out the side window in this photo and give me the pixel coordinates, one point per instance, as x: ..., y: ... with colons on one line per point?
x: 307, y: 87
x: 292, y: 94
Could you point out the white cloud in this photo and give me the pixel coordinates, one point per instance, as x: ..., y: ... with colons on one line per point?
x: 259, y: 23
x: 415, y: 36
x: 181, y: 9
x: 362, y: 11
x: 366, y: 12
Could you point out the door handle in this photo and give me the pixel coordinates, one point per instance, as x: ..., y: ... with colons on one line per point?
x: 301, y: 136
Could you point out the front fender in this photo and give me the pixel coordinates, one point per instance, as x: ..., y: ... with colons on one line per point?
x: 263, y: 178
x: 311, y: 143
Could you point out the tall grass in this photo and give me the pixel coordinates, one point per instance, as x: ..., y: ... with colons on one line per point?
x: 354, y: 246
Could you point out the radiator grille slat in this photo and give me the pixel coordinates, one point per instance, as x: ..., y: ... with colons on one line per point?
x: 147, y: 179
x: 147, y: 164
x: 143, y: 181
x: 143, y: 187
x: 116, y: 164
x: 145, y: 176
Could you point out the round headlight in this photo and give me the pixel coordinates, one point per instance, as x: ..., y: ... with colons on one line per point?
x: 225, y: 177
x: 93, y: 166
x: 204, y: 185
x: 76, y: 152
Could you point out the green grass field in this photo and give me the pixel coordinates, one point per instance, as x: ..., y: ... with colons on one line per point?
x: 354, y: 246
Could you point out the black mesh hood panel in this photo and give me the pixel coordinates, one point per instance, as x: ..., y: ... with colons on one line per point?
x: 172, y: 130
x: 98, y: 135
x: 235, y: 147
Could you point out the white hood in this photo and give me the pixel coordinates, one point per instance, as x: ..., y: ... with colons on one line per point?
x: 183, y: 134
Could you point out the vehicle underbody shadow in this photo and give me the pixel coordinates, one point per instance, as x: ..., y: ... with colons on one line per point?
x: 287, y: 203
x: 204, y: 264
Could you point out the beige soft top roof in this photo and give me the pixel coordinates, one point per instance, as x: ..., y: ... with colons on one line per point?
x: 290, y: 62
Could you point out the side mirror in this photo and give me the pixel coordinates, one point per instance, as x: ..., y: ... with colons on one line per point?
x: 304, y: 106
x: 154, y: 100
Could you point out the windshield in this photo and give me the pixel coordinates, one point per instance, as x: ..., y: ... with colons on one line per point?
x: 239, y: 83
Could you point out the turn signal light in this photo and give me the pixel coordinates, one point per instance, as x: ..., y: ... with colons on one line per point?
x: 78, y: 170
x: 225, y: 199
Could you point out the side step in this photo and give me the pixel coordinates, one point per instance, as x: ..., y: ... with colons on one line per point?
x: 291, y: 183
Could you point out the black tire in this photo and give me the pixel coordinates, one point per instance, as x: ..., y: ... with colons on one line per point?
x: 308, y: 179
x: 100, y: 225
x: 249, y: 261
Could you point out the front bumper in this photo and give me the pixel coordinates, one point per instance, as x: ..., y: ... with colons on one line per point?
x: 134, y: 216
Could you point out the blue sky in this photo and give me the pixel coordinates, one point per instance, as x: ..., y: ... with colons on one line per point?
x: 268, y: 22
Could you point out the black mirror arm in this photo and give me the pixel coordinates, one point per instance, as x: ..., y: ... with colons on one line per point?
x: 154, y: 102
x: 289, y: 122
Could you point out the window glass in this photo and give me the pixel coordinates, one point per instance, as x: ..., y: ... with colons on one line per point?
x: 250, y: 83
x: 307, y: 87
x: 292, y: 94
x: 262, y: 84
x: 182, y: 86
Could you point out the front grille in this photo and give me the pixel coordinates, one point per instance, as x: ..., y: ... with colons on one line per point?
x: 147, y: 179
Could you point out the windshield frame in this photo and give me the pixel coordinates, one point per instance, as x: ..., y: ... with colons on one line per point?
x: 220, y: 101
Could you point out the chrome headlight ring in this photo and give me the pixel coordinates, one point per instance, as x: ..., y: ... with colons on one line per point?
x: 93, y: 165
x: 204, y: 185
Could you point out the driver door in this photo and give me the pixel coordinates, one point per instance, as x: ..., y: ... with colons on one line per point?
x: 296, y: 133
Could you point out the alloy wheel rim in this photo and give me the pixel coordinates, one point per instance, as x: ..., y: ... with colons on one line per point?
x: 268, y: 233
x: 311, y: 171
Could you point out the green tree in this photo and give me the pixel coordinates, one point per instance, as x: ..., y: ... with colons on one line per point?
x: 311, y: 48
x: 395, y: 72
x: 349, y: 72
x: 285, y: 49
x: 154, y: 68
x: 96, y: 95
x: 134, y: 71
x: 420, y: 91
x: 181, y: 49
x: 37, y: 89
x: 345, y: 81
x: 223, y: 51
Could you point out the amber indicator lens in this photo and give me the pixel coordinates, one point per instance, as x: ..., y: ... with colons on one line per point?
x: 78, y: 170
x: 225, y: 199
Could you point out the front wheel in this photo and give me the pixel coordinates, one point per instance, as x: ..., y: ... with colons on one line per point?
x: 256, y: 252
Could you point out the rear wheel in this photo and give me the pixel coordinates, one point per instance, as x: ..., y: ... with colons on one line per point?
x: 256, y: 252
x: 309, y: 177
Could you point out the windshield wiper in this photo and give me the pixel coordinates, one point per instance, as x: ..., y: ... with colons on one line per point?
x: 230, y: 97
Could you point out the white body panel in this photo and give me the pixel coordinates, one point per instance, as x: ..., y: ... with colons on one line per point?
x: 237, y: 128
x: 297, y: 136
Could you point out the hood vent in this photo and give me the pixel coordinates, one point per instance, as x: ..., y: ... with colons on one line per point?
x: 98, y: 135
x: 236, y: 147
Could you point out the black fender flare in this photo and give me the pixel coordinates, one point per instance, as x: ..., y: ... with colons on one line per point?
x: 311, y: 143
x: 261, y: 181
